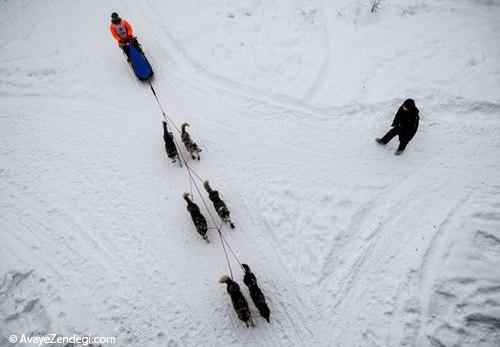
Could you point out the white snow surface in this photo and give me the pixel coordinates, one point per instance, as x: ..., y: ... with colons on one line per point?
x: 351, y: 245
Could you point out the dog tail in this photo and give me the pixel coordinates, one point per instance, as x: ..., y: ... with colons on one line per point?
x: 186, y: 197
x: 224, y: 279
x: 246, y: 267
x: 207, y: 186
x: 183, y: 127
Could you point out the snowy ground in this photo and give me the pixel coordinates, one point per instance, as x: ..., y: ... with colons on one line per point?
x: 352, y: 245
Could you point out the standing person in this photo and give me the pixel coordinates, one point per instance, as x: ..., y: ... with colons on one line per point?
x: 405, y: 125
x: 123, y: 33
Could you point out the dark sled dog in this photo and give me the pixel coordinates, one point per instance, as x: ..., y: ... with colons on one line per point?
x: 255, y: 293
x: 191, y: 146
x: 170, y: 147
x: 199, y: 221
x: 240, y: 304
x: 219, y: 205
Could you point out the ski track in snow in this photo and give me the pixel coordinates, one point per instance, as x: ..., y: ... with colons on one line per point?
x: 351, y: 245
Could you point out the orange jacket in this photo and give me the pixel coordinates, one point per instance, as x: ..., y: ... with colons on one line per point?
x: 121, y: 31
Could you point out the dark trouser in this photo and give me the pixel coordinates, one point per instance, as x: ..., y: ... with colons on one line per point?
x: 403, y: 138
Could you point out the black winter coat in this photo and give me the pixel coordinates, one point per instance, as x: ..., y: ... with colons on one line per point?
x: 406, y: 121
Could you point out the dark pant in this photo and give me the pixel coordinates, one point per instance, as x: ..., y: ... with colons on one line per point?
x: 403, y: 138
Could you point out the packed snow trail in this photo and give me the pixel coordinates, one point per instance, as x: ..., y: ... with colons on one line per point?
x: 351, y: 245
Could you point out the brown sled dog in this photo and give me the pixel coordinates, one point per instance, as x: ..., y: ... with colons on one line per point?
x: 198, y: 219
x: 219, y: 205
x: 240, y: 304
x: 191, y: 146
